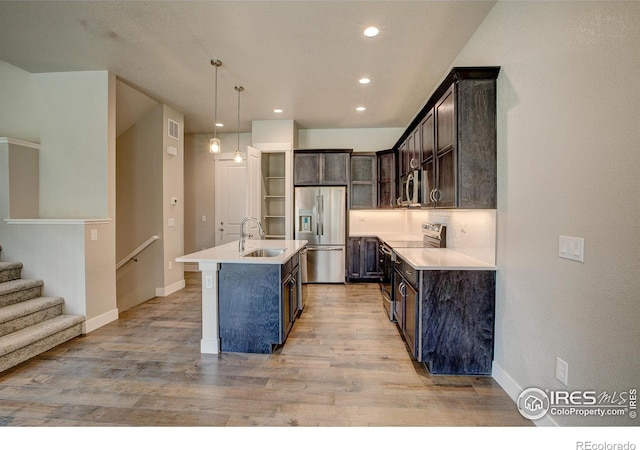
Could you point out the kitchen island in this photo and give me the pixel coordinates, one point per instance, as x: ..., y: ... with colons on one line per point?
x: 242, y: 297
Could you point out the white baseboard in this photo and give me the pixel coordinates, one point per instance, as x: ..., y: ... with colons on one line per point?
x: 175, y: 287
x: 100, y: 321
x: 513, y: 390
x: 210, y: 346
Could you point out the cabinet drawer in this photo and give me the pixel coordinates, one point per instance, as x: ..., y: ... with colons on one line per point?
x: 407, y: 271
x: 294, y: 261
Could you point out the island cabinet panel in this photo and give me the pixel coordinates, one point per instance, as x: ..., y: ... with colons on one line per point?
x: 249, y: 307
x: 458, y: 314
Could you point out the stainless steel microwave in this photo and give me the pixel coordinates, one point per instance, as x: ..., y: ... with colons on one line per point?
x: 410, y: 188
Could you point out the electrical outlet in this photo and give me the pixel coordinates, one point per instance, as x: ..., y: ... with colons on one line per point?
x: 562, y: 371
x: 209, y: 281
x: 170, y: 265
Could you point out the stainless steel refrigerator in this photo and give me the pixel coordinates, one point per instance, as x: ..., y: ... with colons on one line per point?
x: 320, y: 218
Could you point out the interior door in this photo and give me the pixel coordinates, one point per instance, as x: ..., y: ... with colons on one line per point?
x: 230, y: 198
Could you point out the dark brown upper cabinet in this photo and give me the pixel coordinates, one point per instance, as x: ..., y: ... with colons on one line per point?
x: 321, y: 167
x: 386, y: 178
x: 454, y: 139
x: 363, y: 181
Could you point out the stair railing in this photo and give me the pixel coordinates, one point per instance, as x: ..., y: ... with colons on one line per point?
x: 132, y: 256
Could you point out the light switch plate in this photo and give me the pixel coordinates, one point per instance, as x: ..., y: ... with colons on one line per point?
x: 562, y: 371
x: 570, y: 247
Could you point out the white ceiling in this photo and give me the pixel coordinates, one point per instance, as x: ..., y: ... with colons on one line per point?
x: 302, y: 56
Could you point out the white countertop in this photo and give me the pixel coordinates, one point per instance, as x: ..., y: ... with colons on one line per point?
x: 430, y: 258
x: 228, y: 253
x: 441, y: 259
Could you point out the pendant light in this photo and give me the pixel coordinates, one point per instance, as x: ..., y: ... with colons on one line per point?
x: 214, y: 143
x: 237, y: 157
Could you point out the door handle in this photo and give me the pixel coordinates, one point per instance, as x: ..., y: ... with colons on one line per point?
x: 406, y: 187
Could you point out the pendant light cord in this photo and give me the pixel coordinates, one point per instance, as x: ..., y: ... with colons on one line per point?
x: 239, y: 89
x: 217, y: 63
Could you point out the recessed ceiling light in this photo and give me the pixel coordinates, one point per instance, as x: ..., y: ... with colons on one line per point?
x: 277, y: 111
x: 371, y: 32
x: 219, y: 125
x: 364, y: 80
x: 360, y: 108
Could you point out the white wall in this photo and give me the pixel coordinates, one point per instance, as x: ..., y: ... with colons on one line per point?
x: 568, y: 139
x: 172, y: 187
x: 358, y: 139
x: 72, y: 115
x: 24, y: 179
x: 139, y: 208
x: 20, y: 112
x: 274, y: 131
x: 74, y: 144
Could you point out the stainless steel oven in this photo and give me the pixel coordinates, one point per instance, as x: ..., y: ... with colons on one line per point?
x: 386, y: 278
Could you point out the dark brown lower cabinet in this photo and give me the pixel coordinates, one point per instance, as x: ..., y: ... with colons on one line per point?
x: 363, y: 259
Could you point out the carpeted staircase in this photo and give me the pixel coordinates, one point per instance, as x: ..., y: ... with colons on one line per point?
x: 29, y: 323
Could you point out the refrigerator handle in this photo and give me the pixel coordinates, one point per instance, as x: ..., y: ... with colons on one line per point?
x: 318, y: 215
x: 321, y: 214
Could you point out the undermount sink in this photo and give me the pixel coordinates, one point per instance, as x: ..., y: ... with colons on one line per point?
x: 265, y: 253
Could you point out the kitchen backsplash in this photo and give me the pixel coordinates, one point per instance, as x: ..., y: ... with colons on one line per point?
x: 471, y: 232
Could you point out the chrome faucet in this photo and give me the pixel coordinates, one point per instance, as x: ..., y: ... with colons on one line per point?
x: 243, y: 235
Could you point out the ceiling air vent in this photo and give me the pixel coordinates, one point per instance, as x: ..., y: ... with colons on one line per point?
x: 174, y: 129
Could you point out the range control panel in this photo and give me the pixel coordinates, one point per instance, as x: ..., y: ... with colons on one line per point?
x: 434, y: 234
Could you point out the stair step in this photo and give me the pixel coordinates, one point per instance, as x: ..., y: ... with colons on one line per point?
x: 21, y: 315
x: 10, y: 271
x: 16, y: 291
x: 31, y: 341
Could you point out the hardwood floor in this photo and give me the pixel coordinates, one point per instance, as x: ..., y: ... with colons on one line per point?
x: 344, y: 364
